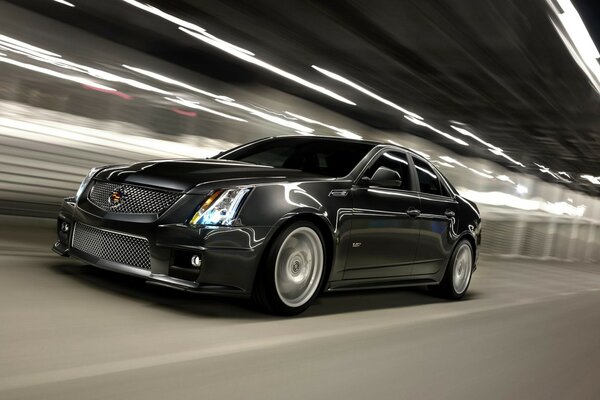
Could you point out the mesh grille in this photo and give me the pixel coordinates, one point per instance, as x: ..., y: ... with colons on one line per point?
x: 111, y: 246
x: 134, y: 199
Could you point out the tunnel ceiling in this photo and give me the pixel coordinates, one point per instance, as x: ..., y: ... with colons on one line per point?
x: 499, y: 68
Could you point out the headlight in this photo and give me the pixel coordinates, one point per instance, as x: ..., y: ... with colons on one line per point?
x: 85, y: 182
x: 220, y: 208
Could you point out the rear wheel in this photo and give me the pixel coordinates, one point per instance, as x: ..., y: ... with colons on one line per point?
x: 294, y: 270
x: 457, y: 277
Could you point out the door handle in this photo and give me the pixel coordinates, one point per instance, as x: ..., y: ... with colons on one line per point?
x: 449, y: 213
x: 413, y: 212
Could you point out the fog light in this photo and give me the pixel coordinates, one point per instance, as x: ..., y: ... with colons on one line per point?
x: 196, y: 261
x: 64, y: 227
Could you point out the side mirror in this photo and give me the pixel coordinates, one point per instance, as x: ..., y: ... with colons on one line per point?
x: 386, y: 177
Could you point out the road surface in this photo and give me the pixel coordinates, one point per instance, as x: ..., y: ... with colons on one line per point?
x: 528, y: 329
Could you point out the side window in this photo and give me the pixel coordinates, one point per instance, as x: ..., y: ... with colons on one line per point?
x: 391, y: 170
x: 428, y: 180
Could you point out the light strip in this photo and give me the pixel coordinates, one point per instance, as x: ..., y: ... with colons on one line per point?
x: 509, y: 200
x: 548, y: 171
x: 253, y: 60
x: 341, y: 132
x: 470, y: 134
x: 56, y: 74
x: 48, y: 57
x: 269, y: 117
x: 445, y: 164
x: 504, y: 178
x: 565, y: 174
x: 197, y: 106
x: 578, y: 41
x: 593, y: 179
x: 236, y: 51
x: 25, y: 46
x: 66, y: 134
x: 494, y: 149
x: 446, y: 135
x: 66, y: 3
x: 452, y: 161
x: 348, y: 82
x: 488, y: 176
x: 499, y: 152
x: 172, y: 81
x: 183, y: 23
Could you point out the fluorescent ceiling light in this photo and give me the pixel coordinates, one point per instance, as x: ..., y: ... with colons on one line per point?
x: 422, y: 154
x: 521, y: 189
x: 504, y: 178
x: 183, y: 23
x: 494, y: 149
x: 446, y: 135
x: 356, y: 86
x: 470, y: 134
x: 445, y: 164
x: 236, y: 51
x: 172, y: 81
x: 66, y: 3
x: 14, y: 43
x: 452, y: 161
x: 565, y: 174
x: 488, y: 176
x: 499, y: 152
x: 593, y: 179
x: 305, y: 133
x: 55, y: 74
x: 510, y: 200
x: 197, y: 106
x: 548, y: 171
x: 269, y: 117
x: 48, y: 57
x: 253, y: 60
x: 577, y: 39
x: 339, y: 131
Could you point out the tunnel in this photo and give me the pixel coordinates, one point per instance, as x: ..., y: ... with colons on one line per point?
x: 299, y: 199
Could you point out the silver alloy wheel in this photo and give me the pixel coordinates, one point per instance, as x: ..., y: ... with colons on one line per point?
x: 299, y: 266
x: 463, y: 264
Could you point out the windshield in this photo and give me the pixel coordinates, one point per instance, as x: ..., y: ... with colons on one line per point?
x: 322, y: 156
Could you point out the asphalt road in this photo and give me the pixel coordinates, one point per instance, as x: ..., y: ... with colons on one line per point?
x: 527, y: 330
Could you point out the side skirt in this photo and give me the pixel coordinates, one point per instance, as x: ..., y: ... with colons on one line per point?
x: 359, y: 284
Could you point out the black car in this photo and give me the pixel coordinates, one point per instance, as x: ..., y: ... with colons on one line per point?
x: 279, y: 220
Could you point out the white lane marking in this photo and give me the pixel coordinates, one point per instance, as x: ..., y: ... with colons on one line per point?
x: 66, y: 374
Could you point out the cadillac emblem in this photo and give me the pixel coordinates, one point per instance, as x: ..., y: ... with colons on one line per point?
x: 117, y: 197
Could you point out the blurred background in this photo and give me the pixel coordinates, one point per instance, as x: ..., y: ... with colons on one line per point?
x: 502, y: 96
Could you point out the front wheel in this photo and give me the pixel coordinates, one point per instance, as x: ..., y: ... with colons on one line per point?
x: 458, y: 273
x: 293, y: 273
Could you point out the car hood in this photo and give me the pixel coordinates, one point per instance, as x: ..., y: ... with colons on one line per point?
x: 182, y: 175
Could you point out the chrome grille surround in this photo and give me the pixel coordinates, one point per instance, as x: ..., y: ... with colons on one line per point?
x: 112, y: 246
x: 136, y: 199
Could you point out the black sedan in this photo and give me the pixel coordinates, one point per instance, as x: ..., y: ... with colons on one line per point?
x: 279, y: 220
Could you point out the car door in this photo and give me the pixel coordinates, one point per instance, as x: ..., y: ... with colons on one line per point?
x: 384, y: 231
x: 437, y: 219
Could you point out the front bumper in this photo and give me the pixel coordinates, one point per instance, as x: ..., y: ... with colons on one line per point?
x: 229, y: 255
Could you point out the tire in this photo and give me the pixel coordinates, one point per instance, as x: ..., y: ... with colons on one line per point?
x: 293, y: 272
x: 457, y: 277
